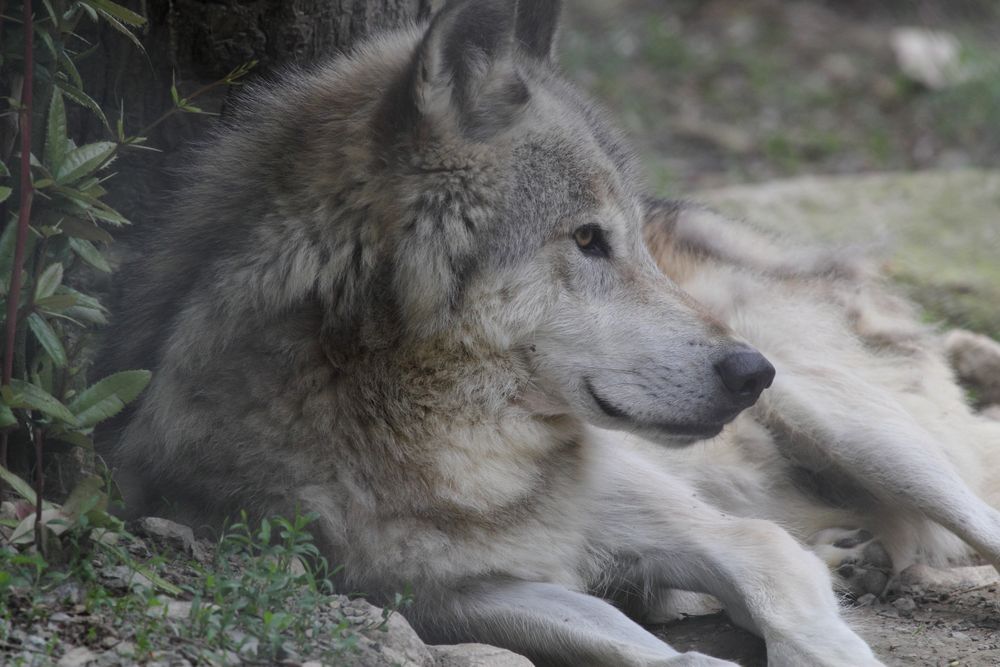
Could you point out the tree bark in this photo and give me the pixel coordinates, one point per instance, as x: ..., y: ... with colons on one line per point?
x: 197, y: 42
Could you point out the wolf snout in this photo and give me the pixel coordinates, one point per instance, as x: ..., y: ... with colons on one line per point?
x: 745, y: 375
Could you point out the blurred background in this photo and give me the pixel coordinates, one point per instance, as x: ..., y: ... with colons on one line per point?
x: 715, y: 92
x: 871, y: 124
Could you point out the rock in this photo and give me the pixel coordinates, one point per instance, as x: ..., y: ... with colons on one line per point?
x: 77, y: 657
x: 476, y: 655
x: 905, y: 606
x: 866, y: 600
x: 125, y: 649
x: 381, y: 642
x: 68, y: 592
x: 976, y: 360
x: 171, y: 535
x: 176, y: 610
x: 932, y: 58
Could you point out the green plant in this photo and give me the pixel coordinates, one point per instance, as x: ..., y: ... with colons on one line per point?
x: 53, y: 227
x: 56, y: 225
x: 261, y: 596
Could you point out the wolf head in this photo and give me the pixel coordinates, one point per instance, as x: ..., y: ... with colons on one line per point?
x: 519, y: 230
x: 442, y: 191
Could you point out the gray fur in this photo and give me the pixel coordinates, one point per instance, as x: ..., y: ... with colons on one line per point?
x: 369, y: 304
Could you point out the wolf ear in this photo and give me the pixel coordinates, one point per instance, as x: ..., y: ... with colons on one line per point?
x: 464, y: 69
x: 466, y: 54
x: 537, y: 24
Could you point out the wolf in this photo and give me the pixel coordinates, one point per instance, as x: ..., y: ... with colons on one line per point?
x: 865, y: 447
x: 410, y: 291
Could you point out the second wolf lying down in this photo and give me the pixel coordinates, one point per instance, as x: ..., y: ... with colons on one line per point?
x: 865, y: 446
x: 404, y: 289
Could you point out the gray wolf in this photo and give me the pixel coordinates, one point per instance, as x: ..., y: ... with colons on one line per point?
x: 409, y: 291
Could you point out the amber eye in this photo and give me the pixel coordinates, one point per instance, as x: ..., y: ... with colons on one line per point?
x: 591, y: 241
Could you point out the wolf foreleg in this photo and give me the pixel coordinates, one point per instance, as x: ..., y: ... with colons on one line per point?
x: 865, y: 433
x: 652, y: 531
x: 549, y: 624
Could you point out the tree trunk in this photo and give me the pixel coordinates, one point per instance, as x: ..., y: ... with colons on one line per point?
x: 197, y: 42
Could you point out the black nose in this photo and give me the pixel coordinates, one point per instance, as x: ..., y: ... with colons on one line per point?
x: 745, y: 374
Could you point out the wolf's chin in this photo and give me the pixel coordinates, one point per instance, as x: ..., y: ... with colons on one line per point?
x: 668, y: 433
x: 675, y: 436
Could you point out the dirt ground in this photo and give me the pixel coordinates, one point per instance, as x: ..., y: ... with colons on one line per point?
x: 918, y: 626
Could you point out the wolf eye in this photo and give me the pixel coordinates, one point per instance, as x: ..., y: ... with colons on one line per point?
x: 590, y: 239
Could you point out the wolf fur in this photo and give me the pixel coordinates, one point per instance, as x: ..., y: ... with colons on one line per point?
x: 409, y: 291
x: 865, y: 446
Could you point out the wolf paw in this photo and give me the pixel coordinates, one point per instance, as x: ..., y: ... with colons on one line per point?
x: 858, y: 560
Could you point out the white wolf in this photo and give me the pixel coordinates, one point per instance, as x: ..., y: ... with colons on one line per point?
x: 865, y: 446
x: 408, y: 290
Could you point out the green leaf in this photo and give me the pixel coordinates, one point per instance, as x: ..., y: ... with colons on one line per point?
x: 107, y: 398
x: 87, y: 309
x: 48, y: 339
x: 28, y: 396
x: 124, y: 15
x: 89, y: 253
x: 85, y: 230
x: 8, y: 239
x: 74, y: 438
x: 50, y: 279
x: 69, y: 67
x: 108, y: 214
x: 56, y: 302
x: 83, y: 202
x: 21, y: 487
x: 90, y: 11
x: 84, y: 161
x: 52, y: 519
x: 3, y: 169
x: 83, y: 99
x: 55, y: 133
x: 87, y: 495
x: 52, y: 13
x: 7, y: 417
x: 47, y: 40
x: 4, y: 193
x: 122, y: 28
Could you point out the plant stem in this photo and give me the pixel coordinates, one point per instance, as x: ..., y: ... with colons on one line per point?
x: 24, y: 215
x: 39, y: 488
x: 27, y: 193
x: 144, y: 132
